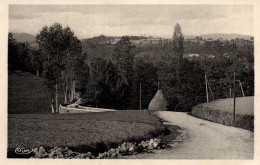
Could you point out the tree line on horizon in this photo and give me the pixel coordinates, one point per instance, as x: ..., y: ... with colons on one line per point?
x: 109, y: 76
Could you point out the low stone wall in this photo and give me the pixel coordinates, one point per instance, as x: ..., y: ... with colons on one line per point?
x: 80, y: 109
x: 223, y: 117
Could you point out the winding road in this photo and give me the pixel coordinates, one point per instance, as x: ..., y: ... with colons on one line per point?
x: 201, y: 139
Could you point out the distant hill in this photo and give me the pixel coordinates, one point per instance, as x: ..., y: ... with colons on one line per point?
x: 216, y: 36
x: 96, y: 40
x: 109, y: 39
x: 224, y: 36
x: 23, y: 37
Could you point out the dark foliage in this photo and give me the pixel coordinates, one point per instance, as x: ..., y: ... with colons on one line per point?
x: 109, y: 75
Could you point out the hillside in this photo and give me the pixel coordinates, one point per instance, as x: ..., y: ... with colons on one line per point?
x: 27, y: 94
x: 221, y: 111
x: 23, y: 37
x: 244, y: 105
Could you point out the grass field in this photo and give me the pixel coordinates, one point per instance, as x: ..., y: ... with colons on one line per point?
x: 28, y: 94
x: 221, y: 111
x: 31, y: 124
x: 244, y: 105
x: 91, y: 132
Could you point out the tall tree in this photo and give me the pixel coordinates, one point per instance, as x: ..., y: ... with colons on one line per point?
x: 107, y: 82
x: 34, y: 61
x: 177, y: 43
x: 12, y: 49
x: 124, y: 57
x: 146, y: 75
x: 180, y: 79
x: 58, y: 46
x: 178, y: 50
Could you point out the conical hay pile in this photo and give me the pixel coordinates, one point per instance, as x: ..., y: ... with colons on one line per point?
x: 158, y: 102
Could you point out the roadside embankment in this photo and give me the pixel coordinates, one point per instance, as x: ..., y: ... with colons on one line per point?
x: 221, y: 111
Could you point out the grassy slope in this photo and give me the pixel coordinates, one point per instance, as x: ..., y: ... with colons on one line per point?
x: 244, y: 105
x: 81, y: 131
x: 27, y: 94
x: 221, y: 111
x: 30, y: 123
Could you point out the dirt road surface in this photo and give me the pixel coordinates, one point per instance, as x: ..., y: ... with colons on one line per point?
x: 201, y: 139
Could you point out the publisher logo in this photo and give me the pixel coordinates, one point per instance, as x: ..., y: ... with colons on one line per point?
x: 22, y: 150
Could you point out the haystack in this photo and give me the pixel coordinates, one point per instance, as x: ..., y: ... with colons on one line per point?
x: 158, y: 102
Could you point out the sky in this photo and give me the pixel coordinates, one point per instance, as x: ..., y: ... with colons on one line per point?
x: 117, y: 20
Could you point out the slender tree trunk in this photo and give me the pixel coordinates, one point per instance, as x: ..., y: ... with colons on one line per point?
x: 230, y: 92
x: 211, y: 92
x: 74, y: 90
x: 38, y: 72
x: 52, y: 106
x: 140, y: 97
x: 90, y: 68
x: 234, y: 94
x: 56, y: 97
x: 70, y: 92
x: 72, y: 86
x: 65, y: 94
x: 69, y: 95
x: 207, y: 93
x: 241, y: 88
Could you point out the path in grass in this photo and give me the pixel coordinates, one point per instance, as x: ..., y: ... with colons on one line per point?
x: 204, y: 140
